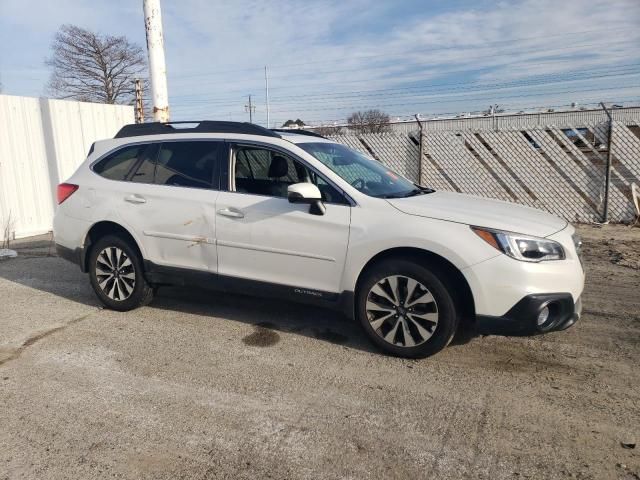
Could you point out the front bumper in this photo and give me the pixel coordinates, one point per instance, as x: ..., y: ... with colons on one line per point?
x: 499, y: 283
x: 522, y: 318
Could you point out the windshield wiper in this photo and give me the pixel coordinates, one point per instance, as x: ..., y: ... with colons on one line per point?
x: 410, y: 193
x: 416, y: 191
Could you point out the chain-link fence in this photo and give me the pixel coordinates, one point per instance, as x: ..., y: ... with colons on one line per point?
x: 560, y: 168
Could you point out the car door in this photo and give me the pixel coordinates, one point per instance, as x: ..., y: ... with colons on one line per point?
x: 169, y: 201
x: 261, y: 236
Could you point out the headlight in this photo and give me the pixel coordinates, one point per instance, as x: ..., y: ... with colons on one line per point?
x: 521, y: 247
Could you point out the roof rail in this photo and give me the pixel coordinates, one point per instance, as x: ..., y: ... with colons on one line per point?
x: 298, y: 131
x: 204, y: 126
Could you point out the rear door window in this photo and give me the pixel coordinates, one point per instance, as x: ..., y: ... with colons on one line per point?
x: 187, y: 164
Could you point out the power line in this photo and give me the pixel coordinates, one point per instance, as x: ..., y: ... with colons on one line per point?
x: 475, y: 57
x: 446, y: 87
x: 488, y: 99
x: 403, y: 52
x: 427, y: 93
x: 396, y: 78
x: 383, y: 91
x: 460, y: 90
x: 494, y: 55
x: 527, y: 109
x: 198, y: 98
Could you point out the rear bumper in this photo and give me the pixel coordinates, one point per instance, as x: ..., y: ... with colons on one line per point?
x: 522, y: 318
x: 72, y: 255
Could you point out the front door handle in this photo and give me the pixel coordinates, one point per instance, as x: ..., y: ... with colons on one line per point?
x: 135, y: 199
x: 231, y: 212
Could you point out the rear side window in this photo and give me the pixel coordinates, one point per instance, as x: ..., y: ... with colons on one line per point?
x: 187, y: 164
x: 120, y: 165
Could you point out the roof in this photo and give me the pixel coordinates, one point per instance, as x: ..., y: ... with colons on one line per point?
x: 209, y: 126
x: 202, y: 126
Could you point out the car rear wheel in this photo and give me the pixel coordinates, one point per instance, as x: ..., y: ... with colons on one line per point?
x: 406, y: 309
x: 117, y: 276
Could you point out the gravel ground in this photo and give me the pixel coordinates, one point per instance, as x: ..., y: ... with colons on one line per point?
x: 201, y: 385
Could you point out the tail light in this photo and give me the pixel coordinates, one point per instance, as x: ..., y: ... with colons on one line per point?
x: 65, y: 190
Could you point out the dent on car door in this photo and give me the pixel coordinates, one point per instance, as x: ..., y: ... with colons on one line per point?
x: 261, y: 236
x: 174, y: 211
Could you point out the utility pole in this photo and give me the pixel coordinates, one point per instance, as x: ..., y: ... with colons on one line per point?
x: 420, y: 148
x: 250, y: 108
x: 607, y: 174
x: 139, y: 106
x: 266, y: 88
x: 157, y: 66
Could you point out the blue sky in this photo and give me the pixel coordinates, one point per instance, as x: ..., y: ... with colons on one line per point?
x: 329, y: 58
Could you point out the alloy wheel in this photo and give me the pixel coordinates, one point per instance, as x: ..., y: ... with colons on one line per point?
x: 115, y: 273
x: 402, y: 311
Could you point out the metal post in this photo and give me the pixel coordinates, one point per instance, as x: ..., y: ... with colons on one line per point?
x: 157, y: 66
x: 266, y: 87
x: 139, y: 105
x: 420, y: 149
x: 250, y: 108
x: 607, y: 178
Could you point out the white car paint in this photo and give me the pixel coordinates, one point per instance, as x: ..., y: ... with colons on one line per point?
x: 305, y: 190
x: 269, y: 239
x: 473, y: 210
x: 279, y: 242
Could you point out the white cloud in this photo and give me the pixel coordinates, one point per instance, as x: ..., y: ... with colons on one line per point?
x: 512, y: 41
x: 216, y: 51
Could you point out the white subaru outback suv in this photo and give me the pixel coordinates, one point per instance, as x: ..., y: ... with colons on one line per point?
x: 237, y: 207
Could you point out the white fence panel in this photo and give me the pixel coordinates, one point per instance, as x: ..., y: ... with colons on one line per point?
x: 42, y: 142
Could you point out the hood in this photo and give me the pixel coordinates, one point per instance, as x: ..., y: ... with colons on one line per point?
x: 481, y: 212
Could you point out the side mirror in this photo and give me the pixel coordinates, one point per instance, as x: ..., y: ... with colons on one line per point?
x: 307, y: 193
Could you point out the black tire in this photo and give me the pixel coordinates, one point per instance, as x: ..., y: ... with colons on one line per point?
x: 435, y: 282
x: 141, y: 293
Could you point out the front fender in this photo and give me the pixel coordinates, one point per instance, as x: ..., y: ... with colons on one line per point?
x: 369, y: 237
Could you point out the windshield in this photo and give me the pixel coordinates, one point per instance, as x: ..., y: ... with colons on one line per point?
x: 366, y: 175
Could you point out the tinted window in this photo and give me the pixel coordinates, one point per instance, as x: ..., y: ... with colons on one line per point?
x: 261, y: 171
x: 119, y: 165
x: 186, y: 164
x: 145, y: 170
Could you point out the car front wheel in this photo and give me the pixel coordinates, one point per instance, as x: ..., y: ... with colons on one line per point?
x: 406, y: 309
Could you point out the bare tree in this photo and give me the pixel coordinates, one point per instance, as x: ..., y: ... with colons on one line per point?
x: 293, y: 123
x: 369, y: 121
x: 92, y: 67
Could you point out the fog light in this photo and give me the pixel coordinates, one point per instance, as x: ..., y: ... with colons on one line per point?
x: 543, y: 316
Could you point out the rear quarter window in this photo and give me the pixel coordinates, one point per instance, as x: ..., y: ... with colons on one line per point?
x: 120, y: 164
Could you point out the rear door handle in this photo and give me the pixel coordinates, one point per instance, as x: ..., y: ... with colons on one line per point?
x: 231, y: 212
x: 135, y: 199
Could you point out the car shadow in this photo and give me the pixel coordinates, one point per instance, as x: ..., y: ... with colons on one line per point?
x: 57, y: 277
x: 266, y: 314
